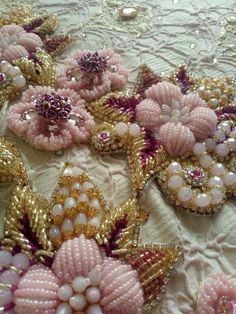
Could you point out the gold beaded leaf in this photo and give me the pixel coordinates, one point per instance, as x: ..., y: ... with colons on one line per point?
x: 26, y: 222
x: 41, y: 24
x: 119, y: 227
x: 11, y: 165
x: 153, y: 264
x: 78, y: 206
x: 38, y: 68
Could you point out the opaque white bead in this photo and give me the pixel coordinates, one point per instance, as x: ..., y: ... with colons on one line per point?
x: 19, y: 81
x: 202, y: 200
x: 205, y: 161
x: 175, y: 182
x: 174, y: 167
x: 5, y: 258
x: 79, y: 284
x: 222, y: 150
x: 57, y: 210
x: 199, y: 148
x: 121, y: 128
x: 93, y: 295
x: 86, y: 186
x: 65, y: 292
x: 70, y: 202
x: 185, y: 194
x: 217, y: 196
x: 83, y: 197
x: 78, y: 302
x: 67, y: 225
x: 5, y: 296
x: 80, y: 219
x: 20, y: 261
x: 210, y: 144
x: 215, y: 181
x: 95, y: 221
x: 95, y: 276
x: 134, y: 129
x: 54, y: 231
x: 217, y: 169
x: 229, y: 178
x: 94, y: 309
x: 95, y: 203
x: 64, y: 308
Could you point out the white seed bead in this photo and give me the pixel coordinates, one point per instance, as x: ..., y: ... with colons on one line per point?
x: 93, y: 295
x: 185, y: 194
x: 57, y: 210
x: 175, y: 182
x: 121, y: 128
x: 210, y: 144
x: 94, y: 309
x: 65, y: 292
x: 215, y: 181
x: 217, y: 169
x: 217, y: 196
x: 79, y: 284
x: 222, y: 150
x: 229, y: 178
x: 87, y: 186
x: 83, y: 197
x: 205, y: 161
x: 70, y: 202
x: 199, y: 148
x: 80, y: 219
x: 174, y: 167
x: 78, y: 302
x: 64, y: 308
x: 202, y: 200
x: 134, y: 129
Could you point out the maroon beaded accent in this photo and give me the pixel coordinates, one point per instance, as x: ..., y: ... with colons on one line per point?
x: 93, y: 63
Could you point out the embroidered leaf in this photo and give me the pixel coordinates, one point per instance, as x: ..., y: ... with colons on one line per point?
x: 42, y: 25
x: 54, y: 44
x: 184, y: 79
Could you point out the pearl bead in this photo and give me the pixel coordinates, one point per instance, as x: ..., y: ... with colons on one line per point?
x: 20, y: 261
x: 95, y: 276
x: 54, y: 231
x: 76, y: 171
x: 217, y: 196
x: 70, y: 202
x: 224, y: 127
x: 210, y: 144
x: 94, y: 309
x: 93, y: 295
x: 222, y: 150
x: 83, y: 198
x: 9, y: 277
x: 78, y: 302
x: 76, y: 186
x: 199, y: 148
x: 65, y: 292
x: 185, y: 194
x: 175, y: 182
x: 217, y: 169
x: 64, y: 190
x: 79, y: 284
x: 215, y: 181
x: 87, y: 186
x: 95, y: 203
x: 202, y: 200
x: 13, y: 71
x: 214, y: 102
x: 219, y: 135
x: 5, y: 258
x: 57, y: 210
x: 64, y: 308
x: 232, y: 144
x: 68, y: 172
x: 95, y: 221
x: 67, y: 225
x: 229, y: 178
x: 174, y: 167
x: 5, y: 296
x: 81, y: 219
x: 121, y: 128
x: 19, y: 81
x: 134, y: 129
x: 205, y: 161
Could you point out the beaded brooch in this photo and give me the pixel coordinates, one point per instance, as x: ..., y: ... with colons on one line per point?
x: 178, y: 128
x: 74, y: 254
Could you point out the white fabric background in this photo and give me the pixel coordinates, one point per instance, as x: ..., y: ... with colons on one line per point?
x: 165, y: 33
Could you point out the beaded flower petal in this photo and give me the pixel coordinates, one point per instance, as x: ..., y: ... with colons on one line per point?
x: 50, y: 119
x: 218, y: 295
x: 98, y: 265
x: 93, y: 74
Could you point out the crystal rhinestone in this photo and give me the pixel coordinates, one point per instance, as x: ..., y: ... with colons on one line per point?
x: 28, y: 115
x: 76, y: 119
x: 127, y: 13
x: 104, y: 136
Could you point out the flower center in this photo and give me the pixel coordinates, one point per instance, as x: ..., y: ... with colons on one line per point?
x: 83, y: 294
x: 174, y: 113
x: 93, y: 63
x: 53, y: 106
x: 195, y: 176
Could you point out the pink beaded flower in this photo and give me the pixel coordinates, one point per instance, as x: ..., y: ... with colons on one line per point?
x: 218, y: 295
x: 81, y: 279
x: 93, y: 74
x: 178, y: 120
x: 50, y: 119
x: 15, y: 42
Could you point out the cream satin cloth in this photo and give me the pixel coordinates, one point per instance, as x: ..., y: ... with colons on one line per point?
x: 165, y: 33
